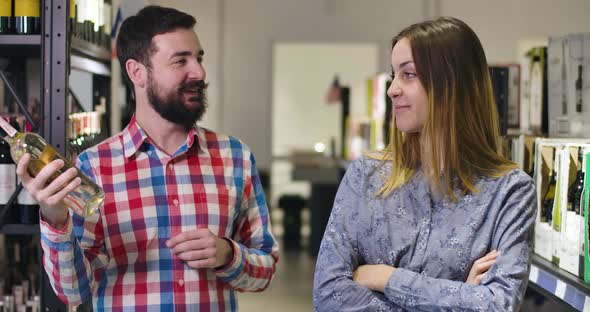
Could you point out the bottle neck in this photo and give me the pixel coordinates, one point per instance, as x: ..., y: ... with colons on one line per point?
x: 7, y: 132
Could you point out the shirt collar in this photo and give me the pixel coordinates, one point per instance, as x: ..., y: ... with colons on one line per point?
x: 134, y: 136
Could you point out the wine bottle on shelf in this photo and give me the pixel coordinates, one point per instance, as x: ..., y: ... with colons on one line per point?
x: 548, y: 196
x: 17, y: 288
x: 84, y: 200
x: 27, y: 16
x: 577, y: 198
x: 536, y: 92
x: 72, y: 17
x: 579, y: 86
x: 575, y: 190
x: 6, y: 20
x: 7, y: 180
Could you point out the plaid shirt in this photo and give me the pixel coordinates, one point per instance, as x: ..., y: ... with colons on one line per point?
x: 119, y: 257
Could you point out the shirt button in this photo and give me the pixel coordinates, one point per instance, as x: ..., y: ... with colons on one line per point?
x: 175, y: 201
x: 181, y: 282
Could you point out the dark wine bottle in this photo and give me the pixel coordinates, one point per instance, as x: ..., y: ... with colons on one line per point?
x: 549, y: 196
x: 27, y: 16
x: 7, y: 180
x: 6, y: 20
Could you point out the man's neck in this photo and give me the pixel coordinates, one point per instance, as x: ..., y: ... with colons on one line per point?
x: 168, y: 136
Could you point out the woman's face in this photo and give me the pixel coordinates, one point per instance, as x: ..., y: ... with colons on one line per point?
x: 406, y: 91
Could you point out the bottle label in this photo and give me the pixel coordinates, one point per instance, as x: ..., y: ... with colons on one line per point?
x: 7, y: 182
x: 7, y: 127
x: 5, y: 8
x: 25, y: 198
x: 28, y: 8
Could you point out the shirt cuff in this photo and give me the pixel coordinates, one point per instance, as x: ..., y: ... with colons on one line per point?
x: 398, y: 284
x: 56, y: 235
x: 235, y: 266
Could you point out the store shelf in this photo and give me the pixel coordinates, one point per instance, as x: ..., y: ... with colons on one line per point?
x: 89, y: 65
x: 560, y: 283
x: 23, y: 40
x: 85, y: 48
x: 20, y: 229
x: 20, y: 45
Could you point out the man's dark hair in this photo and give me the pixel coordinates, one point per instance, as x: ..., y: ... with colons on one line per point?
x: 135, y: 36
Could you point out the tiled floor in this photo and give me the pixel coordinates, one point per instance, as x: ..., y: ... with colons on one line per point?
x: 290, y: 289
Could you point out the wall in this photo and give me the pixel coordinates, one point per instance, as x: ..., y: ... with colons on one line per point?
x: 243, y: 32
x: 252, y: 26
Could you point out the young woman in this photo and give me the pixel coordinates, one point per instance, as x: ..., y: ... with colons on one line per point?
x: 439, y: 220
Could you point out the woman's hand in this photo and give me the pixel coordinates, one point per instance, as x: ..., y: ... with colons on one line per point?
x: 373, y: 276
x: 480, y: 267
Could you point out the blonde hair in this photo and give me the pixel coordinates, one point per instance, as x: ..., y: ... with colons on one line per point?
x: 460, y: 137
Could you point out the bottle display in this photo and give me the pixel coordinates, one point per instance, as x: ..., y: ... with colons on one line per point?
x: 84, y: 200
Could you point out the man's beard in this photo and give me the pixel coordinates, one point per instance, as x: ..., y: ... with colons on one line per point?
x: 171, y: 106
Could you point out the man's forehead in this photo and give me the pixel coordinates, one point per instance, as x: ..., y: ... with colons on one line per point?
x: 180, y: 39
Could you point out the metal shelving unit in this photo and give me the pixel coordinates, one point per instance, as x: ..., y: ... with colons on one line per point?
x: 58, y: 52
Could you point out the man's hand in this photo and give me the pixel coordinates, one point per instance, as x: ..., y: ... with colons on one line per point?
x: 480, y: 267
x: 50, y: 196
x: 201, y: 249
x: 373, y: 276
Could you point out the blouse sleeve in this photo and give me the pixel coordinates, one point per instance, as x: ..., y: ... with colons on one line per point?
x: 334, y: 289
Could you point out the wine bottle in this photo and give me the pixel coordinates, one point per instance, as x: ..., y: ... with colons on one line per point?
x: 536, y: 92
x: 575, y: 190
x: 557, y: 197
x: 579, y: 86
x: 6, y: 16
x: 579, y: 194
x: 7, y: 179
x: 84, y: 200
x: 548, y: 196
x: 27, y: 16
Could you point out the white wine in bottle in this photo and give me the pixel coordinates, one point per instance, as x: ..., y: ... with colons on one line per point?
x: 84, y: 200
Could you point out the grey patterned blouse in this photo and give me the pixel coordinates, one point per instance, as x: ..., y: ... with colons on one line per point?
x: 431, y: 241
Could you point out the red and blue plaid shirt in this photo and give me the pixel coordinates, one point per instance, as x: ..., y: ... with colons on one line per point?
x: 119, y: 256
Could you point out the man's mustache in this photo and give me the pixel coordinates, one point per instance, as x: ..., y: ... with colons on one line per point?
x: 198, y: 85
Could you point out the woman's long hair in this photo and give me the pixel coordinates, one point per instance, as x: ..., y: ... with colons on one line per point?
x: 460, y: 139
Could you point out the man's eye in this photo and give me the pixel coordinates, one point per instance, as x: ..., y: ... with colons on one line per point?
x: 180, y: 61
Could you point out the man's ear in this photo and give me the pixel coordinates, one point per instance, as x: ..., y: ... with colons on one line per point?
x: 137, y: 72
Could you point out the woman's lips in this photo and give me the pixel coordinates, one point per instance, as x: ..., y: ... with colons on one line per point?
x: 401, y: 108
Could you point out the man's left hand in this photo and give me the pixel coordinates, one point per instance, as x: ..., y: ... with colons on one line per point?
x: 373, y: 276
x: 201, y: 249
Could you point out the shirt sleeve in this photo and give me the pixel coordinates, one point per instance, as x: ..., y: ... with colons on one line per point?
x: 255, y: 250
x: 74, y: 257
x: 503, y: 286
x: 334, y: 289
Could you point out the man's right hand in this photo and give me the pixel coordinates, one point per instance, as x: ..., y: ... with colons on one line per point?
x: 50, y: 196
